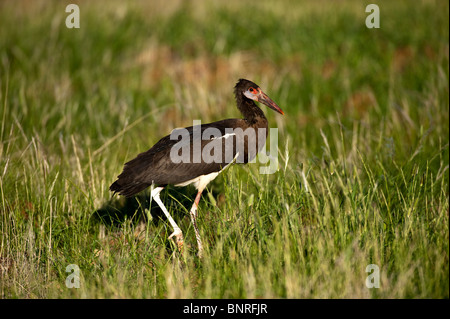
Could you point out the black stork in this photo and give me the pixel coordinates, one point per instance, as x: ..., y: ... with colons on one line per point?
x: 232, y: 140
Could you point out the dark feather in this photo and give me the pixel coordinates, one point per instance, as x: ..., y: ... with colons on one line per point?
x: 155, y: 166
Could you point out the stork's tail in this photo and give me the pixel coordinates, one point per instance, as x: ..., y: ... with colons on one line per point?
x: 127, y: 190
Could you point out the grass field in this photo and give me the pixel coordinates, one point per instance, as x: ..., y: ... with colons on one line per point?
x: 363, y: 152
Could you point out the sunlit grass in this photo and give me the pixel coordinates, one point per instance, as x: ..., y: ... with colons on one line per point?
x: 363, y: 149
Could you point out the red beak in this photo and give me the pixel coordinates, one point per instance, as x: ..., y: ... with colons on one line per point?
x: 264, y: 99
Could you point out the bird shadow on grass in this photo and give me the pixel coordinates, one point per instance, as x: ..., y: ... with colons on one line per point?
x: 140, y: 210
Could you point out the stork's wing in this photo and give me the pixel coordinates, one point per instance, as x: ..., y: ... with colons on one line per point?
x: 182, y: 156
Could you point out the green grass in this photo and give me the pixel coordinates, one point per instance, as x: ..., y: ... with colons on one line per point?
x: 363, y: 149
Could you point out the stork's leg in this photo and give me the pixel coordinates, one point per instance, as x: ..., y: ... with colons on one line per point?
x: 177, y: 233
x: 193, y: 214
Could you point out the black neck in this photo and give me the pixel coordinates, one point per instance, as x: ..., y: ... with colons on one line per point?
x: 248, y: 108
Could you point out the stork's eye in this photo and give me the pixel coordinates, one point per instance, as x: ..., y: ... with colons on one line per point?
x: 251, y: 93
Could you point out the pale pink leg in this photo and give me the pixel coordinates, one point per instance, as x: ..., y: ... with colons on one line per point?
x: 177, y: 233
x: 193, y: 214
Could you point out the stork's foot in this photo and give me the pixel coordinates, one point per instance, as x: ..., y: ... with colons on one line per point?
x: 200, y: 252
x: 199, y: 240
x: 179, y: 239
x: 193, y: 214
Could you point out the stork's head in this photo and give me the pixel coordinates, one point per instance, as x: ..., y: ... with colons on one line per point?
x: 252, y: 91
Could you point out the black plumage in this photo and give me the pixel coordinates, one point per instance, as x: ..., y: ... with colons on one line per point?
x: 156, y: 166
